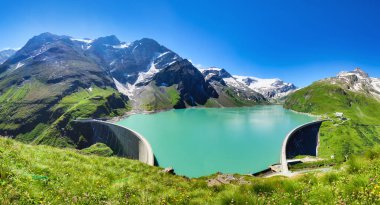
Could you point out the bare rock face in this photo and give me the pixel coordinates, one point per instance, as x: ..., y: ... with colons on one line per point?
x: 221, y: 179
x: 53, y: 59
x: 192, y: 87
x: 169, y: 170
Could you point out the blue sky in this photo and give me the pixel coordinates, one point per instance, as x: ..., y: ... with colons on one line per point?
x: 299, y: 41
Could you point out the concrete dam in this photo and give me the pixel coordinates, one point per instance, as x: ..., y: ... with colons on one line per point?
x: 124, y: 142
x: 303, y: 140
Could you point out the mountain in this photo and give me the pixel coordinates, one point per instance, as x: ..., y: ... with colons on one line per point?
x: 5, y: 54
x: 358, y: 81
x: 351, y: 104
x: 193, y: 89
x: 134, y: 67
x: 53, y: 60
x: 271, y: 89
x: 48, y: 82
x: 128, y: 63
x: 54, y: 79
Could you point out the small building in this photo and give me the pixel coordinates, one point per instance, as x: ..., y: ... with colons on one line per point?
x: 339, y: 114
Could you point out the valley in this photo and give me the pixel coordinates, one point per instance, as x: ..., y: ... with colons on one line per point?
x: 54, y: 80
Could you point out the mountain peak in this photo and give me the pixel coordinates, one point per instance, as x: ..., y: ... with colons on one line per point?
x: 110, y: 40
x: 41, y: 39
x: 148, y: 40
x: 361, y: 72
x: 357, y: 72
x: 47, y: 37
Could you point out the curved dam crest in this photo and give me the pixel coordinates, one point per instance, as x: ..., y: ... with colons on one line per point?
x: 123, y: 141
x: 303, y: 140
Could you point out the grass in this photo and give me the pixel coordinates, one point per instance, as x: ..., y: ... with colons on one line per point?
x: 85, y: 103
x: 313, y: 165
x: 19, y: 105
x: 40, y: 174
x: 33, y: 112
x: 99, y: 149
x: 158, y: 97
x: 173, y: 95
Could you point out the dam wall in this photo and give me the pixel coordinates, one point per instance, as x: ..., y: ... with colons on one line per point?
x: 123, y: 141
x: 303, y: 140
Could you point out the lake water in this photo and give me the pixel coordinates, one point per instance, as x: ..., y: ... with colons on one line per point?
x: 202, y: 141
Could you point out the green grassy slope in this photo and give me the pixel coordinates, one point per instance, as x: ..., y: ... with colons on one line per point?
x: 31, y: 174
x: 82, y: 104
x: 157, y: 98
x: 34, y: 112
x: 340, y: 137
x: 98, y: 149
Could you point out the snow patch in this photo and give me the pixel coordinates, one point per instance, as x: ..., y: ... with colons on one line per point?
x: 233, y: 83
x: 375, y: 82
x: 270, y: 88
x: 171, y: 63
x: 256, y: 83
x: 121, y: 46
x: 162, y: 54
x: 123, y: 89
x: 147, y: 75
x: 206, y: 69
x: 87, y: 41
x: 19, y: 65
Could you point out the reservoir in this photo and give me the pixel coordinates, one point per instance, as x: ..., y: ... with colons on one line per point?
x: 202, y: 141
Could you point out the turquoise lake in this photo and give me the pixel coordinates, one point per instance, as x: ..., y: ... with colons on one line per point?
x: 202, y: 141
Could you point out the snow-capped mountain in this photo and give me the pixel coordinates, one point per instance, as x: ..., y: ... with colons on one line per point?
x: 358, y: 81
x: 151, y: 75
x: 5, y: 54
x: 269, y: 88
x: 130, y: 64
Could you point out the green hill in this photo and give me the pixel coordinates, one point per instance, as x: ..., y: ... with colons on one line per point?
x: 340, y: 137
x: 49, y: 122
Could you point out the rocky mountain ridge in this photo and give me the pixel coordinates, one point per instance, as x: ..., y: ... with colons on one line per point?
x: 128, y: 67
x: 54, y: 79
x: 357, y: 81
x: 269, y: 88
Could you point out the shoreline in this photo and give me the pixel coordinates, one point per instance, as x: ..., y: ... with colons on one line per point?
x: 146, y: 112
x: 319, y: 117
x: 114, y: 120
